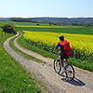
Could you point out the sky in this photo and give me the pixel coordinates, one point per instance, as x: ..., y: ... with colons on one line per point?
x: 46, y: 8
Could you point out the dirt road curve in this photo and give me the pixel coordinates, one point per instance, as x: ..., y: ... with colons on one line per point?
x: 83, y: 83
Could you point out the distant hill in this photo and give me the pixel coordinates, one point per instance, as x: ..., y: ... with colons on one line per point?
x: 4, y: 19
x: 56, y: 19
x: 69, y: 20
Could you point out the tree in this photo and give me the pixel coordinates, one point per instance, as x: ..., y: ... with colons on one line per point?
x: 49, y: 23
x: 91, y: 23
x: 9, y: 28
x: 37, y: 24
x: 86, y: 24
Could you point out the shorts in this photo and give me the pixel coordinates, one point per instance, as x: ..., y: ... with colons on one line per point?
x: 64, y: 56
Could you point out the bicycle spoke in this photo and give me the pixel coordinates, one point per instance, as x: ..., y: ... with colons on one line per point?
x: 57, y: 66
x: 70, y: 72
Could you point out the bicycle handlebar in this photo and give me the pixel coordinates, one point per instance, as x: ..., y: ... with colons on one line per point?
x: 56, y: 52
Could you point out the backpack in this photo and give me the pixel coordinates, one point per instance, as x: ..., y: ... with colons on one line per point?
x: 66, y: 47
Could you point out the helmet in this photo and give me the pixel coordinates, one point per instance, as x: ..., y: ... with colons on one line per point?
x: 61, y: 37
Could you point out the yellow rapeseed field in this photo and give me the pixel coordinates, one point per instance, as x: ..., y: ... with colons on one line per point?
x: 41, y: 26
x: 80, y: 42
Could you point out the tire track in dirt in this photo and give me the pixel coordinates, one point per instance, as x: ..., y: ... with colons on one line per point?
x: 83, y: 83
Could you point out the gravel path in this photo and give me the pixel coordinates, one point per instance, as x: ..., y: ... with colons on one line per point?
x: 83, y: 83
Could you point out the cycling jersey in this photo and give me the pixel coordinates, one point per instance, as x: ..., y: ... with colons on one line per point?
x: 64, y: 47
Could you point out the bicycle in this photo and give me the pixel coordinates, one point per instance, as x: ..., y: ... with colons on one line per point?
x: 70, y: 72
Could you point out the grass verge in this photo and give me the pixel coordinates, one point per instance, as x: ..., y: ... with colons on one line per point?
x: 13, y: 78
x: 36, y: 49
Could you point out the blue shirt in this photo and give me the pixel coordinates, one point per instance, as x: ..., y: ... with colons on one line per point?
x: 57, y: 45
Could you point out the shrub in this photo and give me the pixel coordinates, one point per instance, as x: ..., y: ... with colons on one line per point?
x: 9, y: 28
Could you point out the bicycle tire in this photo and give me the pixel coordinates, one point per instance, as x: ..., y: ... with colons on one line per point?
x: 57, y: 66
x: 70, y: 72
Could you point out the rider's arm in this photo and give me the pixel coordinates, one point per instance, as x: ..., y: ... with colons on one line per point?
x: 56, y: 47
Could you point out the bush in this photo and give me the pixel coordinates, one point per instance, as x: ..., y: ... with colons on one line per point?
x: 9, y: 28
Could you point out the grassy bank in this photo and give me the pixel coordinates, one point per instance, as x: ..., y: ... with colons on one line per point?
x: 13, y: 78
x: 84, y: 64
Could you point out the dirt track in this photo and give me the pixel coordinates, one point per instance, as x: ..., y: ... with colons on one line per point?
x: 83, y: 83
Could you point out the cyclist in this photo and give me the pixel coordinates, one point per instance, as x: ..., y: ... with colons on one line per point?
x: 65, y: 50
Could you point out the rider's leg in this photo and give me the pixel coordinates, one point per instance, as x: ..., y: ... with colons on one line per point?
x: 66, y: 61
x: 62, y: 64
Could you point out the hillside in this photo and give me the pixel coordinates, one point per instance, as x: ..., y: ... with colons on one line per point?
x: 55, y: 19
x: 69, y: 20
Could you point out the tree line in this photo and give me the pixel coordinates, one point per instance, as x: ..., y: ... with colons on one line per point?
x: 23, y: 20
x: 58, y: 21
x: 73, y: 24
x: 80, y: 24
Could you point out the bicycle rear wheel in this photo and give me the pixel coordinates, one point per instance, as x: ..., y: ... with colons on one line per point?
x: 57, y: 66
x: 70, y: 72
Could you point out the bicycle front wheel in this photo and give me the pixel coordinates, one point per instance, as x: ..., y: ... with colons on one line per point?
x: 57, y: 66
x: 70, y: 72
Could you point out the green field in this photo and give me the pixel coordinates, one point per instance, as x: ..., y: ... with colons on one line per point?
x: 68, y: 29
x: 65, y: 29
x: 22, y: 23
x: 13, y: 78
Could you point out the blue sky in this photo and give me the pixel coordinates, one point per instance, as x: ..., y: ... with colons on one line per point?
x: 46, y: 8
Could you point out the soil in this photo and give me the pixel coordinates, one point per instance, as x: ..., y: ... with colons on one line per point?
x: 55, y: 83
